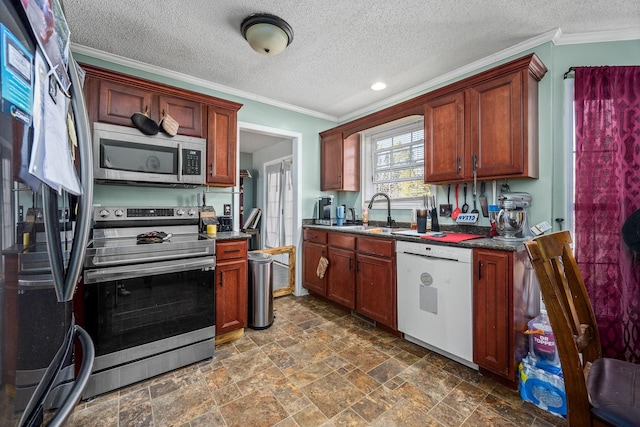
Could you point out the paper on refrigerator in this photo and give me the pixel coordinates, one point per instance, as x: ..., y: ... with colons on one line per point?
x: 51, y: 158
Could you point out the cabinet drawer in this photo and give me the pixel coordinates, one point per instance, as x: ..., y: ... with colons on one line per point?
x: 231, y: 249
x: 341, y: 240
x: 376, y: 246
x: 315, y: 236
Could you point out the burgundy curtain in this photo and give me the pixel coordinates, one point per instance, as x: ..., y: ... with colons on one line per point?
x: 607, y: 192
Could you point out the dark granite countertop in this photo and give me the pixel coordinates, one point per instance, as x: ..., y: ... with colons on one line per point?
x: 231, y: 235
x: 485, y: 242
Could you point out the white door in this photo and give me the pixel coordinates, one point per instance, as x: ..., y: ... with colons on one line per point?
x: 278, y: 222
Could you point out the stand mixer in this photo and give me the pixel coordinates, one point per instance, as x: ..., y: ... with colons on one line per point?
x: 511, y: 220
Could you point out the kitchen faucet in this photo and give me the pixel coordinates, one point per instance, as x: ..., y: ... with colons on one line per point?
x: 389, y: 220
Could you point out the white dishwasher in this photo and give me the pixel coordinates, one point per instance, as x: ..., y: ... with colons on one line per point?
x: 435, y: 297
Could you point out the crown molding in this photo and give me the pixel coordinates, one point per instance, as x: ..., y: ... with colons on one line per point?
x: 141, y: 66
x: 599, y: 37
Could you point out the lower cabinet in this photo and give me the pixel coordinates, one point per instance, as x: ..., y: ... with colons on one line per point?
x: 341, y: 277
x: 504, y: 299
x: 360, y: 276
x: 231, y: 285
x: 376, y: 280
x: 314, y: 248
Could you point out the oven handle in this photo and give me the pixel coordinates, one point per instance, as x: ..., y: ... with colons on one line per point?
x: 96, y: 260
x: 151, y: 269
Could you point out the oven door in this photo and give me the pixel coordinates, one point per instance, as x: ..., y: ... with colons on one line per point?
x: 136, y: 311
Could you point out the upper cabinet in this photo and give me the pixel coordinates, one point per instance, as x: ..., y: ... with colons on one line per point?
x: 487, y: 123
x: 221, y: 155
x: 113, y: 98
x: 339, y: 162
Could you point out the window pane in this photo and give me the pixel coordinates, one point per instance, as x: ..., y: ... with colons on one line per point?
x: 397, y: 157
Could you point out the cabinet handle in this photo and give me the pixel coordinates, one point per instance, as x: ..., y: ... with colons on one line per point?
x: 458, y: 163
x: 211, y: 169
x: 357, y: 266
x: 479, y: 270
x: 221, y: 279
x: 475, y: 162
x: 230, y: 251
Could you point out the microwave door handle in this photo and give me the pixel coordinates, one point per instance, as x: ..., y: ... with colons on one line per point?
x: 180, y: 162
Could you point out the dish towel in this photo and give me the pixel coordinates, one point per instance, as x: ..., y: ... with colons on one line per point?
x: 454, y: 237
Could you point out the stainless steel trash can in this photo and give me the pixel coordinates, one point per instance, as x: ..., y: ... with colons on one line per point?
x: 260, y: 313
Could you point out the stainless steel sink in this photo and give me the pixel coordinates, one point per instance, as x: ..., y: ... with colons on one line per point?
x: 369, y: 229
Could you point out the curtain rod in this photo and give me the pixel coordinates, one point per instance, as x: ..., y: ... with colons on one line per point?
x: 570, y: 70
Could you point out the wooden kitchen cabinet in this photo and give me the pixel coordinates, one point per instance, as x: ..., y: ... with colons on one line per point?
x: 113, y: 97
x: 341, y: 279
x: 504, y: 300
x: 488, y: 122
x: 119, y: 101
x: 231, y: 285
x: 339, y: 162
x: 222, y: 147
x: 376, y: 280
x: 314, y: 247
x: 444, y: 138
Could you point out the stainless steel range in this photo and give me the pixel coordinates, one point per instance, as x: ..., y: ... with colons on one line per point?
x: 148, y: 299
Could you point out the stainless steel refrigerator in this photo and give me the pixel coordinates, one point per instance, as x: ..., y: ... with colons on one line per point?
x: 43, y: 232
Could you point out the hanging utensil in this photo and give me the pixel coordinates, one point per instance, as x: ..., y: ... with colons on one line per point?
x: 483, y: 200
x: 168, y: 124
x: 144, y: 123
x: 445, y: 210
x: 456, y: 211
x: 475, y: 183
x: 465, y: 207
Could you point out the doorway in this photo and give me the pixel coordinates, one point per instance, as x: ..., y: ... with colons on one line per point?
x: 260, y: 146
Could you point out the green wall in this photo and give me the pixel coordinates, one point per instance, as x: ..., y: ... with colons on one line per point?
x: 547, y: 191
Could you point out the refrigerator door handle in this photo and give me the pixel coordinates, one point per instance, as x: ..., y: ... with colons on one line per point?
x: 65, y: 283
x: 72, y: 399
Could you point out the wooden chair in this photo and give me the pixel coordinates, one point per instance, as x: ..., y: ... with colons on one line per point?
x: 600, y: 391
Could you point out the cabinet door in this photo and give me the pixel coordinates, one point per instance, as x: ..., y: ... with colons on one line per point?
x: 444, y: 138
x: 187, y: 113
x: 118, y: 102
x: 231, y: 295
x: 497, y: 134
x: 311, y: 253
x: 341, y: 286
x: 492, y: 303
x: 375, y: 289
x: 221, y: 147
x: 331, y: 162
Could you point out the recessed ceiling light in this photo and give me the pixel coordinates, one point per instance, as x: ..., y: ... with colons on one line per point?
x: 378, y: 86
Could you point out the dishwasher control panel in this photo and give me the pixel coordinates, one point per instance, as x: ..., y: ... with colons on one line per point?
x: 435, y: 251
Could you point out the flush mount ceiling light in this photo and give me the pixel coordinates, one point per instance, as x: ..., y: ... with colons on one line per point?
x: 378, y: 86
x: 266, y: 34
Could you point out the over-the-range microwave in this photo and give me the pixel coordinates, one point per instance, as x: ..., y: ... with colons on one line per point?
x: 124, y: 155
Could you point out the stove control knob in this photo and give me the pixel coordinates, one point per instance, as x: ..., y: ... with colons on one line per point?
x: 192, y: 212
x: 119, y: 212
x: 180, y: 212
x: 103, y: 213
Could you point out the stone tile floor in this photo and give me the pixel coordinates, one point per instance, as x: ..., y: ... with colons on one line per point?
x: 316, y: 366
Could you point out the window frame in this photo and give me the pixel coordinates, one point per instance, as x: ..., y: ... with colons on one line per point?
x: 367, y: 163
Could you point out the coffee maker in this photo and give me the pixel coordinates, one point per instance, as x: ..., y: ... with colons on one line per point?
x: 325, y: 205
x: 511, y: 220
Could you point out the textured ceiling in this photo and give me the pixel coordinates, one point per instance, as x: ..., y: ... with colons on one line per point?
x: 340, y: 47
